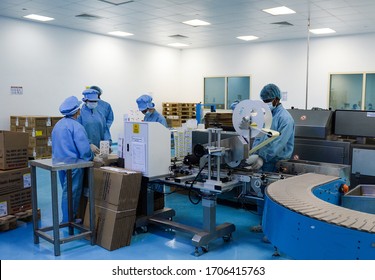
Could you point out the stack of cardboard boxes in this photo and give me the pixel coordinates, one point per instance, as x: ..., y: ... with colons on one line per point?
x: 39, y: 129
x: 116, y: 199
x: 15, y: 179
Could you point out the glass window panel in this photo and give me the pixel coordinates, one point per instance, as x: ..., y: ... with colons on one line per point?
x: 214, y: 92
x: 370, y: 92
x: 345, y: 91
x: 238, y: 89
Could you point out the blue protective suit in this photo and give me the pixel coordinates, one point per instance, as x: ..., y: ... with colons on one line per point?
x: 106, y: 110
x: 155, y: 116
x: 69, y: 140
x: 282, y: 147
x: 95, y: 125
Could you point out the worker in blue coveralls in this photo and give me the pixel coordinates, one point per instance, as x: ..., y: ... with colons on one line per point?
x: 69, y: 140
x: 234, y: 104
x: 147, y: 107
x: 93, y: 120
x: 281, y: 148
x: 104, y: 107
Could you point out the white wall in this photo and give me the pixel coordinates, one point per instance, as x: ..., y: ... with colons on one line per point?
x: 283, y: 63
x: 52, y: 63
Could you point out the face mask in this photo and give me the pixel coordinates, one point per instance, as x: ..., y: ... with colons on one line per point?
x: 148, y: 113
x: 92, y: 105
x: 270, y: 105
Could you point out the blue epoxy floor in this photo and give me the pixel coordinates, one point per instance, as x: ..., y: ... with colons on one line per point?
x: 156, y: 244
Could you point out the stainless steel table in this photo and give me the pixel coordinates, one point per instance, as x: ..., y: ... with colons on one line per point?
x: 53, y: 166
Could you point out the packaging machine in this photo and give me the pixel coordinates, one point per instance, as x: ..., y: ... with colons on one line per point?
x: 217, y: 167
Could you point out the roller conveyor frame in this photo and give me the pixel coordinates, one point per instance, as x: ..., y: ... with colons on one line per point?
x: 303, y: 219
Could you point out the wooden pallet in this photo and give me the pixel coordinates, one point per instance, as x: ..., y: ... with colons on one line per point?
x: 10, y: 222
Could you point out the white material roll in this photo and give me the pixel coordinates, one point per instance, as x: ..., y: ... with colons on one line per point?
x: 256, y: 112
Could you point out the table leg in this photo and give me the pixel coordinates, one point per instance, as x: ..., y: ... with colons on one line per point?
x: 34, y: 199
x: 91, y: 204
x: 55, y: 214
x: 209, y: 214
x: 70, y: 199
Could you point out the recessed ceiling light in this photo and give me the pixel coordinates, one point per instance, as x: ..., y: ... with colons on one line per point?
x: 320, y: 31
x: 178, y: 45
x: 279, y: 11
x: 196, y: 22
x: 38, y: 17
x: 120, y: 33
x: 248, y: 38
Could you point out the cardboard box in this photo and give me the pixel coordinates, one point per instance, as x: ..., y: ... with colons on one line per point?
x: 54, y: 120
x: 40, y: 152
x: 15, y: 202
x: 33, y: 131
x: 117, y: 187
x: 110, y: 160
x: 13, y: 149
x: 114, y: 228
x: 38, y: 141
x: 14, y: 180
x: 29, y: 121
x: 49, y: 131
x: 116, y: 199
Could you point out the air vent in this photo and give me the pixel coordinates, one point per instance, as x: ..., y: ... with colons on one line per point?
x: 178, y: 36
x: 88, y: 16
x: 116, y: 2
x: 283, y: 23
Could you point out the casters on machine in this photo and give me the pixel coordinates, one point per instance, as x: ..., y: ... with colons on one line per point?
x: 204, y: 249
x: 139, y: 230
x: 227, y: 238
x: 276, y: 253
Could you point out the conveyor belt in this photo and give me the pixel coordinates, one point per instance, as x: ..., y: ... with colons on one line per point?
x: 302, y: 218
x: 296, y: 194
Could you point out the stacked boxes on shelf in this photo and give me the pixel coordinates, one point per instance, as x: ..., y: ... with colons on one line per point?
x: 178, y: 113
x: 182, y: 142
x: 222, y: 120
x: 39, y: 129
x: 116, y: 200
x: 15, y: 178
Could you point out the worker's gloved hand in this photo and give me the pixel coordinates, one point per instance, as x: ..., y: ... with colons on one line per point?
x: 94, y: 149
x: 245, y: 123
x: 98, y: 159
x: 255, y: 162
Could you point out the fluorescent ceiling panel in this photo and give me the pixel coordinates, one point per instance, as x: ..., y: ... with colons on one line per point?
x: 196, y: 22
x: 248, y: 38
x: 120, y: 33
x: 38, y: 17
x: 320, y: 31
x: 178, y: 45
x: 279, y: 11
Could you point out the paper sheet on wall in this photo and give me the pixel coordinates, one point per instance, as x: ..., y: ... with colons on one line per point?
x: 139, y: 156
